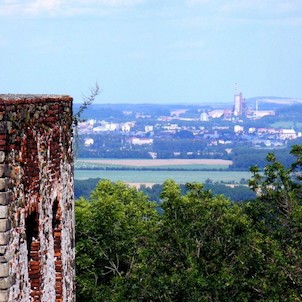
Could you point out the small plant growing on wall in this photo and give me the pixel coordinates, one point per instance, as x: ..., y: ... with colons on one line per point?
x: 87, y: 101
x: 77, y: 117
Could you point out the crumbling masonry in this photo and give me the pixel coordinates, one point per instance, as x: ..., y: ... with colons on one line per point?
x: 36, y: 199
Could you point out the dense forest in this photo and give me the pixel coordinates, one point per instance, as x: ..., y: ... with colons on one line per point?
x: 238, y: 192
x: 200, y: 247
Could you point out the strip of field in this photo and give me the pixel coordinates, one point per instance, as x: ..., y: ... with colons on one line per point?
x: 158, y: 177
x: 155, y: 162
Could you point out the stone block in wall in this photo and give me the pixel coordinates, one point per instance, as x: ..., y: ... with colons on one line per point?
x: 4, y: 270
x: 3, y: 259
x: 5, y: 225
x: 9, y: 126
x: 2, y: 170
x: 3, y: 184
x: 3, y: 127
x: 4, y: 238
x: 3, y: 295
x: 3, y: 250
x: 4, y: 198
x: 6, y: 283
x: 2, y: 157
x: 3, y: 211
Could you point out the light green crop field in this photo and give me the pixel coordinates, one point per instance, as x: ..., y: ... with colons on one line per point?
x: 188, y: 164
x: 158, y: 177
x: 161, y: 167
x: 287, y: 124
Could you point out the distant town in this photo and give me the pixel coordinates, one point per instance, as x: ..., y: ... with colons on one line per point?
x: 190, y: 131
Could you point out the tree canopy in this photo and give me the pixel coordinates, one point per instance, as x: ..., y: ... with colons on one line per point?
x: 201, y: 247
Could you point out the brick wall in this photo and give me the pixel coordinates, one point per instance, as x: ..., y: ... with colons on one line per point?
x: 36, y: 198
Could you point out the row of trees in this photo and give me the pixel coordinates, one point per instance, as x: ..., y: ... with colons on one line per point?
x: 200, y: 248
x: 84, y: 188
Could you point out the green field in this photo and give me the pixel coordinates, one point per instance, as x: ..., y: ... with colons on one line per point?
x: 161, y: 176
x: 166, y: 167
x: 149, y: 164
x: 287, y: 124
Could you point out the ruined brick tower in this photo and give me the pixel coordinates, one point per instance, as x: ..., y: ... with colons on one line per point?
x: 36, y: 199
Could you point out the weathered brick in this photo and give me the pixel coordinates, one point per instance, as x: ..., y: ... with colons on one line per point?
x: 6, y: 283
x: 33, y: 176
x: 3, y: 211
x: 3, y: 296
x: 4, y: 198
x: 4, y: 238
x: 3, y: 249
x: 2, y: 156
x: 5, y: 225
x: 3, y: 184
x: 2, y: 170
x: 4, y: 270
x: 3, y: 126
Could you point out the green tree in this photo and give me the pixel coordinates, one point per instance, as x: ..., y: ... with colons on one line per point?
x: 277, y: 212
x: 200, y: 248
x: 200, y: 243
x: 112, y: 228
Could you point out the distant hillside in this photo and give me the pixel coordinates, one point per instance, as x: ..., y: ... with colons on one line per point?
x: 118, y: 111
x: 271, y: 102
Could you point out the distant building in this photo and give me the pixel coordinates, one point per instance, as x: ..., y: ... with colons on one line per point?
x: 288, y: 134
x: 238, y: 102
x: 262, y: 113
x: 141, y: 141
x: 204, y: 117
x: 178, y: 112
x: 216, y: 113
x: 149, y: 128
x: 88, y: 142
x: 227, y: 114
x: 126, y: 127
x: 105, y: 126
x: 238, y: 129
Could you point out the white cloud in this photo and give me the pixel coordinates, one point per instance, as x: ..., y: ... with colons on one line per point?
x: 119, y: 2
x: 10, y: 7
x: 60, y: 7
x: 192, y: 2
x: 38, y: 6
x: 263, y: 6
x: 225, y: 8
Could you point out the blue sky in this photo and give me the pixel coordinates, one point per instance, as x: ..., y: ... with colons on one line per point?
x: 152, y: 51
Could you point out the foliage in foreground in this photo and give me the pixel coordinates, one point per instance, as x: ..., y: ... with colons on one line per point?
x: 201, y: 248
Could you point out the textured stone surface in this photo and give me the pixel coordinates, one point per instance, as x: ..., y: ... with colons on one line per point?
x: 4, y: 270
x: 3, y: 184
x: 3, y: 295
x: 2, y: 156
x: 5, y: 225
x: 3, y: 211
x: 4, y: 238
x: 4, y: 198
x: 6, y: 283
x: 36, y: 199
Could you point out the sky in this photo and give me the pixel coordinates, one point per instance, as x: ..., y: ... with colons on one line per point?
x: 152, y: 51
